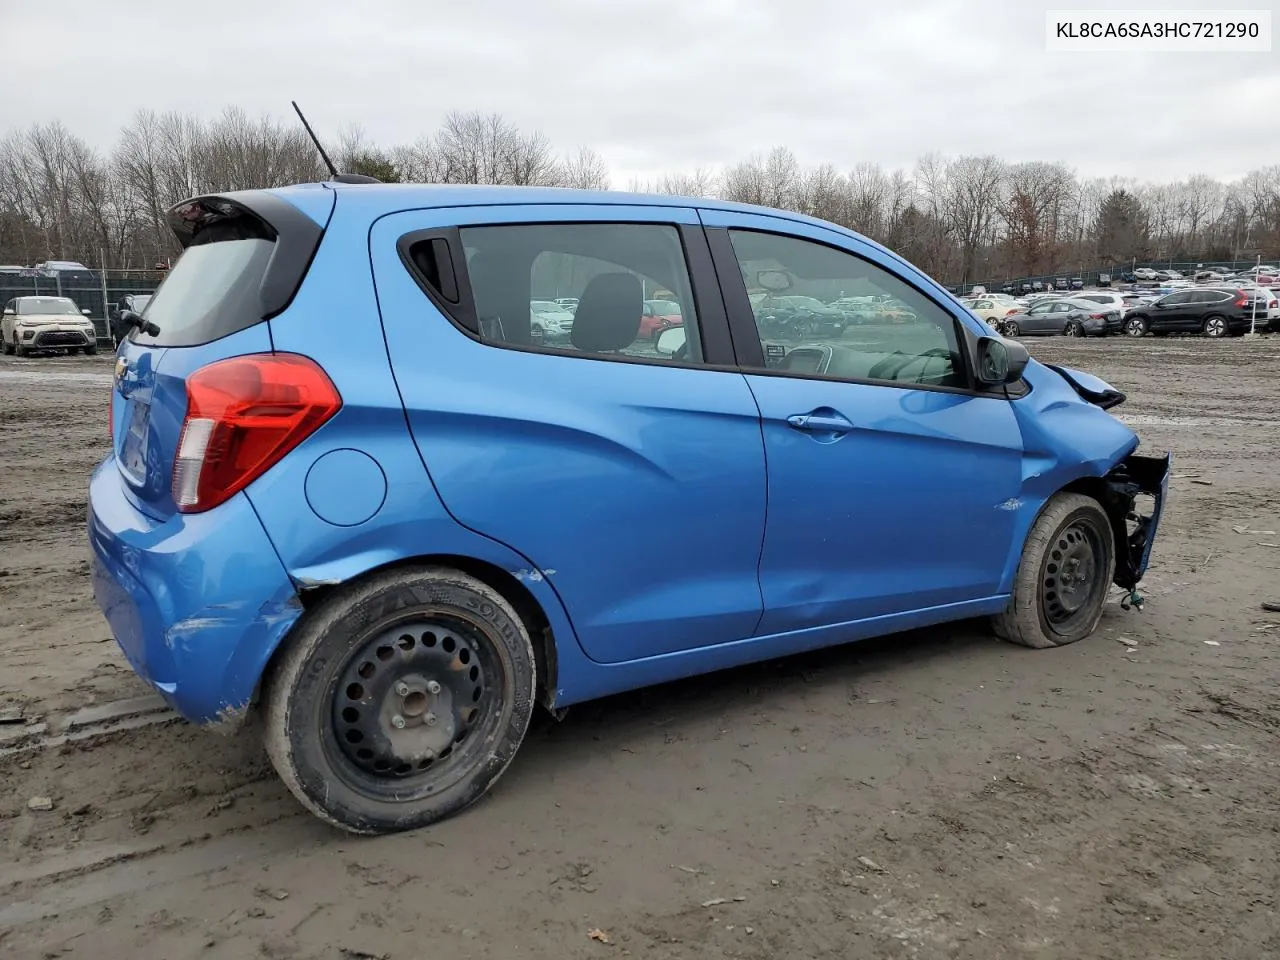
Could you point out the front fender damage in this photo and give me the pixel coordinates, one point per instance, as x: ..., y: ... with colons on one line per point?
x: 1133, y: 479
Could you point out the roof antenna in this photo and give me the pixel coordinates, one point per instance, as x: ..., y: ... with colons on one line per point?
x: 333, y: 171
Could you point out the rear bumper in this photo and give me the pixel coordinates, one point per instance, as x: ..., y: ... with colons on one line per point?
x: 198, y: 603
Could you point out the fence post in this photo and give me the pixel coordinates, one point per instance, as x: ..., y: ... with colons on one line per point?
x: 102, y: 278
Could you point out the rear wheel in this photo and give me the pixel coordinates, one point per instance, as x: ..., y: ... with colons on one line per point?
x: 1073, y: 329
x: 1215, y: 326
x: 1066, y: 569
x: 400, y: 700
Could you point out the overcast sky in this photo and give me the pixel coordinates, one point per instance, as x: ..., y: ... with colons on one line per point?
x: 658, y: 85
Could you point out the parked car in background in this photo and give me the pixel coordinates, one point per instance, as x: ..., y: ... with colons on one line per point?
x: 1077, y: 283
x: 569, y: 303
x: 1146, y: 273
x: 659, y: 315
x: 1104, y: 298
x: 799, y: 317
x: 549, y: 320
x: 991, y: 309
x: 1212, y: 311
x: 1067, y: 316
x: 38, y: 324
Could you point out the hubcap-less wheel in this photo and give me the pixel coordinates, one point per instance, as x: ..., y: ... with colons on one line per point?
x: 1072, y: 329
x: 1135, y: 328
x: 399, y: 698
x: 407, y: 702
x: 1010, y: 329
x: 1215, y: 327
x: 1070, y: 584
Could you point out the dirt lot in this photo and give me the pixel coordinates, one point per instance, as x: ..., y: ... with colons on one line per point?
x: 935, y: 794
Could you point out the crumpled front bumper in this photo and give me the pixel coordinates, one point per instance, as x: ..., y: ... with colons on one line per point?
x: 1132, y: 478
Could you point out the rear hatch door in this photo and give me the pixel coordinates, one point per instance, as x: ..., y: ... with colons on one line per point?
x: 244, y: 256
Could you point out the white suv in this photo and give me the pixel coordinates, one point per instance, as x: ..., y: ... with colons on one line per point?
x: 30, y: 324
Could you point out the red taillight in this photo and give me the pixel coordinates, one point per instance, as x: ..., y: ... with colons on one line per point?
x: 1097, y: 316
x: 1241, y: 301
x: 1012, y: 312
x: 243, y: 415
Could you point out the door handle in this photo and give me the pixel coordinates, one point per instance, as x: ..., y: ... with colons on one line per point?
x: 820, y: 422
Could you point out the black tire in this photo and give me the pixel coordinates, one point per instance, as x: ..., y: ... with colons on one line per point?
x: 90, y: 350
x: 1074, y: 328
x: 8, y: 348
x: 1045, y: 609
x: 18, y: 348
x: 1136, y: 327
x: 392, y: 636
x: 1216, y: 326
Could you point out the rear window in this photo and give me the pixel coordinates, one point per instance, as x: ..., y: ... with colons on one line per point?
x: 213, y: 290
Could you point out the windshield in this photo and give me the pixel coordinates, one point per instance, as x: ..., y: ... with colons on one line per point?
x: 46, y: 306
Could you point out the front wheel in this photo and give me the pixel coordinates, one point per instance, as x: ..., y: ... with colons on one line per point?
x: 90, y: 350
x: 1009, y: 328
x: 1066, y: 569
x: 400, y: 700
x: 9, y: 347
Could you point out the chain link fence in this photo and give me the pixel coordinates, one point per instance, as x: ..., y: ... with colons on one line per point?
x: 97, y: 291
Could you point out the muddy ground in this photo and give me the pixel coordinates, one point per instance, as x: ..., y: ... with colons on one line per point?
x: 935, y: 794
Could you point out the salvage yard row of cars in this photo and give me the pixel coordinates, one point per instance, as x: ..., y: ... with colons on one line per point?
x: 1214, y: 310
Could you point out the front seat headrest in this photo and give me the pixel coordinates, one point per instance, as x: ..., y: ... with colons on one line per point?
x: 608, y: 314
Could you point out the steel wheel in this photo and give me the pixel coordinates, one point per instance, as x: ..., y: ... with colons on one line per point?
x: 400, y: 698
x: 1215, y: 327
x: 407, y: 700
x: 1070, y: 582
x: 1137, y: 327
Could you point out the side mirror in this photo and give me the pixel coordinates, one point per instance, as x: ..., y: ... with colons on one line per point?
x: 670, y: 341
x: 11, y: 312
x: 1000, y: 361
x: 85, y: 312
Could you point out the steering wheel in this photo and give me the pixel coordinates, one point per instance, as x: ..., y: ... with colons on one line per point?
x: 891, y: 366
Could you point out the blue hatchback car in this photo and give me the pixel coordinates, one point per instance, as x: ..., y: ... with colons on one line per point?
x: 352, y: 491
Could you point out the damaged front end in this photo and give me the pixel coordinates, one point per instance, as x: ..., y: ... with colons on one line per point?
x: 1129, y: 483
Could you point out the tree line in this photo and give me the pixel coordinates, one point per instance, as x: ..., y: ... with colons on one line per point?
x: 962, y: 219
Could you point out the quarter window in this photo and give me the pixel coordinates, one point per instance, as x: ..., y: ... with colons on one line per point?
x: 521, y: 274
x: 863, y: 322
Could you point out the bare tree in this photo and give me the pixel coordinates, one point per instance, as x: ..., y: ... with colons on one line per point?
x: 585, y: 170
